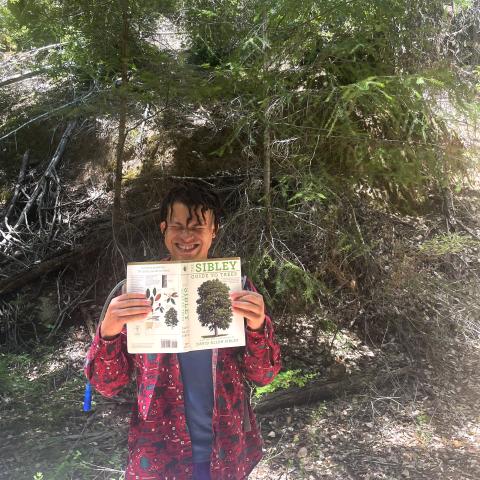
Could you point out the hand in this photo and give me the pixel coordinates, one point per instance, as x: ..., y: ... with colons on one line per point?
x: 126, y: 308
x: 251, y: 306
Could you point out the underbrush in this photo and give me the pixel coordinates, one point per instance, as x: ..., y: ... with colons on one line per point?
x: 351, y: 264
x: 431, y: 297
x: 41, y: 396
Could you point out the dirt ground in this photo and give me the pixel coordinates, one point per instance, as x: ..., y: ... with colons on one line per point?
x: 423, y: 426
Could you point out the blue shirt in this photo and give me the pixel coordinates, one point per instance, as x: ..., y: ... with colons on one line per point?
x: 196, y: 368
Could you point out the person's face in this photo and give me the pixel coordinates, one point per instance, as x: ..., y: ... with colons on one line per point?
x: 188, y: 239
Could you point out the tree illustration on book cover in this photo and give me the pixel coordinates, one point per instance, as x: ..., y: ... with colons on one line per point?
x: 214, y: 308
x: 171, y: 318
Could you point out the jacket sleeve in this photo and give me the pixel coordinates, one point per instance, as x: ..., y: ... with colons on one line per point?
x: 261, y: 357
x: 108, y: 365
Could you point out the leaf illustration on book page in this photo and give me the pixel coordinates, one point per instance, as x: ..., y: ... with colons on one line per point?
x: 147, y: 293
x: 157, y: 298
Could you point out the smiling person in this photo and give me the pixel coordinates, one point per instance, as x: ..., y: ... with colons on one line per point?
x: 200, y: 424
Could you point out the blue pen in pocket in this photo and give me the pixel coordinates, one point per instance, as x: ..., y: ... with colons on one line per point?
x: 87, y: 398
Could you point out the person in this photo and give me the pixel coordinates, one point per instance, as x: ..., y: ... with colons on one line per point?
x: 192, y: 418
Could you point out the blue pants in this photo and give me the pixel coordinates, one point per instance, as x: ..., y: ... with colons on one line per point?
x: 201, y: 471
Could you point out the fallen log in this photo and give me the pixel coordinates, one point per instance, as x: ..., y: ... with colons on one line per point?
x: 320, y: 390
x: 23, y: 76
x: 96, y: 241
x: 27, y: 275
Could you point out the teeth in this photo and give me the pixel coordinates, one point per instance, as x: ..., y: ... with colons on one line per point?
x: 187, y: 248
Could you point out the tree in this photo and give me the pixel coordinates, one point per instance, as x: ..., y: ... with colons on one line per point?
x: 213, y: 305
x: 346, y: 92
x: 104, y: 48
x: 171, y: 318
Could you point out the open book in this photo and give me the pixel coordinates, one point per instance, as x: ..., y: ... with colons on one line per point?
x: 191, y: 307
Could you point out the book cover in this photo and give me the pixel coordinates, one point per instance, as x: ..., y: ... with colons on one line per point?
x: 191, y: 307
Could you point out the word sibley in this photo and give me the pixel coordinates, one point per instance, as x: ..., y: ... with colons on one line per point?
x: 215, y: 266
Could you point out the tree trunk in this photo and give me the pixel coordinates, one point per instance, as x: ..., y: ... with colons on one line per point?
x: 266, y: 137
x: 267, y: 178
x: 122, y: 133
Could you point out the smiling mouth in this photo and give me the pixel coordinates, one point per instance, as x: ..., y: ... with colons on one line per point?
x: 186, y: 248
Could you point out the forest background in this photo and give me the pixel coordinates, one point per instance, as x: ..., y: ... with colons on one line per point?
x: 342, y: 136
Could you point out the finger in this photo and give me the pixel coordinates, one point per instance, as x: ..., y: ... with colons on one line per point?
x: 254, y: 299
x: 244, y: 293
x: 128, y: 312
x: 248, y: 315
x: 249, y: 305
x: 134, y: 318
x: 127, y: 296
x: 247, y: 308
x: 136, y: 302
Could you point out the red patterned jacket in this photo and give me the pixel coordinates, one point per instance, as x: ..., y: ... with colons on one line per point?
x: 158, y: 442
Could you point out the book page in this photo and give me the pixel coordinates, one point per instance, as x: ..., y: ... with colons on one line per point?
x: 212, y: 323
x: 162, y: 331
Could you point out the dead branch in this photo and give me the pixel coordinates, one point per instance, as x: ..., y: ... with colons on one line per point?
x: 47, y: 114
x: 142, y: 128
x: 68, y: 256
x: 30, y: 53
x: 21, y: 176
x: 323, y: 390
x: 69, y: 307
x: 40, y: 188
x: 31, y: 273
x: 21, y: 77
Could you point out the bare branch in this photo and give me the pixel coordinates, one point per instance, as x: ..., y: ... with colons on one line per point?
x: 17, y: 190
x: 42, y: 182
x: 46, y: 114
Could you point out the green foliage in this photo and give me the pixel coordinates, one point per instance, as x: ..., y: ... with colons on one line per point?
x: 348, y: 90
x: 214, y: 308
x: 292, y: 284
x: 216, y: 27
x: 25, y: 24
x: 297, y: 191
x: 286, y: 379
x: 291, y: 279
x: 12, y: 374
x: 89, y: 56
x: 448, y: 243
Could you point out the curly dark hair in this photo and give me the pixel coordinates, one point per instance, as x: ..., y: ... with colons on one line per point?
x: 194, y: 196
